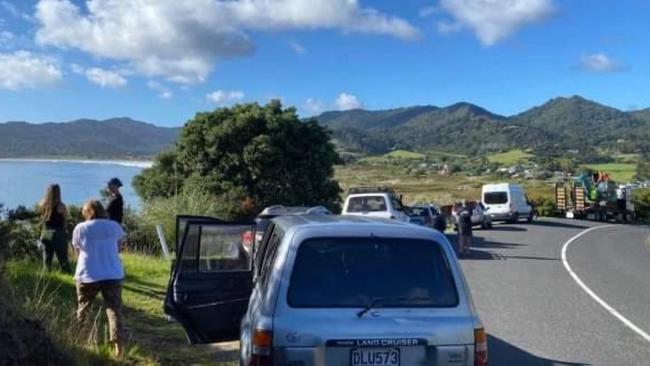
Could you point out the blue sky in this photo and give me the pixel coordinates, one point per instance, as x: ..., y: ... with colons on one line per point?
x: 162, y: 61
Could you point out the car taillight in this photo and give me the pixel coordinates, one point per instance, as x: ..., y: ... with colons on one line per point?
x: 480, y: 347
x: 261, y: 355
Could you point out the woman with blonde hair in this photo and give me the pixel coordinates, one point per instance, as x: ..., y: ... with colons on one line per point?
x: 97, y: 242
x: 54, y: 237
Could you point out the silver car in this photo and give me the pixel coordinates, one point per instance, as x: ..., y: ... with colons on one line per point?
x: 327, y: 290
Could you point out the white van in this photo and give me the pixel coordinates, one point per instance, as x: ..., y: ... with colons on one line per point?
x: 506, y: 202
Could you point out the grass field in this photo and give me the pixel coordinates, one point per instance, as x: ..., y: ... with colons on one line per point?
x: 152, y: 340
x: 619, y: 172
x: 404, y: 155
x: 510, y: 157
x: 426, y: 188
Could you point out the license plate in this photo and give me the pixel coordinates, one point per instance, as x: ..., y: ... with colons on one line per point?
x: 374, y: 357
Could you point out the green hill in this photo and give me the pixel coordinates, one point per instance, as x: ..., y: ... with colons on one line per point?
x: 560, y: 125
x: 117, y: 138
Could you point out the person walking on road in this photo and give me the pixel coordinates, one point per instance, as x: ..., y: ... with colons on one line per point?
x: 464, y: 228
x: 115, y: 206
x: 53, y: 236
x: 99, y: 268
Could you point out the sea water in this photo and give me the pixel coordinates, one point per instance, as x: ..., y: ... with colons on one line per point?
x: 23, y: 182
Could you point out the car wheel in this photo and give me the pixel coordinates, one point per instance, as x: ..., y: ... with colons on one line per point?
x: 515, y: 219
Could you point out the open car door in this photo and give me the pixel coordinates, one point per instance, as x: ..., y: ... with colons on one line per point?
x: 211, y: 280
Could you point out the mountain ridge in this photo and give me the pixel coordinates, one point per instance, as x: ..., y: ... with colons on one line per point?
x: 571, y: 123
x: 119, y: 137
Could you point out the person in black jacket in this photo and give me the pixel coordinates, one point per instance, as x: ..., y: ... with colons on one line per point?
x: 115, y: 206
x: 54, y: 215
x: 465, y: 228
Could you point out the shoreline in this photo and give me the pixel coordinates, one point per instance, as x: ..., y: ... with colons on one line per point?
x: 127, y: 163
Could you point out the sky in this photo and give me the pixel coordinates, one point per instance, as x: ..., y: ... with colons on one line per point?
x: 162, y: 61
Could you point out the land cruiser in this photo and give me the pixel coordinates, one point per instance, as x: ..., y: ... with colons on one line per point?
x: 324, y: 290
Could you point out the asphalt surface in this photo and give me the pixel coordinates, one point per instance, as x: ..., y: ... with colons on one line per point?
x: 534, y: 311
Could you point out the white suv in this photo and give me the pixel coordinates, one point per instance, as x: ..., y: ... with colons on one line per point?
x: 380, y: 202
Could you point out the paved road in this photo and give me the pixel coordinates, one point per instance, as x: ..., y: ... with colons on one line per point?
x: 536, y: 314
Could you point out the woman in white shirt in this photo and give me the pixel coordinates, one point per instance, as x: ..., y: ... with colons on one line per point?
x: 99, y: 268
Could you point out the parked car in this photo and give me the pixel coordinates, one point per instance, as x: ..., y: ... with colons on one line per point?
x: 328, y: 291
x: 479, y: 215
x: 507, y: 202
x: 264, y: 218
x: 427, y: 215
x: 380, y: 202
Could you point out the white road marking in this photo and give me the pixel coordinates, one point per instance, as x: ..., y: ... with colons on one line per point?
x: 600, y: 301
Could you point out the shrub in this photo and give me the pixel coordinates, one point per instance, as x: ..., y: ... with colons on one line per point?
x: 545, y: 206
x: 642, y: 203
x: 163, y: 211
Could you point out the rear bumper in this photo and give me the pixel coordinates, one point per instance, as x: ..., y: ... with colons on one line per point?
x: 501, y: 216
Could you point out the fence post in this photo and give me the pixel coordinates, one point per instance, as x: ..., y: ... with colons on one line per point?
x: 163, y: 241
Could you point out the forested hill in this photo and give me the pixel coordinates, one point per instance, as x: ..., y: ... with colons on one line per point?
x: 561, y: 123
x: 117, y: 138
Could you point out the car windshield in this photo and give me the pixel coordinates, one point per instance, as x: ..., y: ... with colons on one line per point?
x: 367, y: 204
x: 495, y: 198
x: 352, y: 272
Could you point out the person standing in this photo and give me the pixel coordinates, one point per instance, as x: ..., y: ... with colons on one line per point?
x: 53, y: 236
x: 464, y: 228
x: 99, y: 268
x: 115, y: 206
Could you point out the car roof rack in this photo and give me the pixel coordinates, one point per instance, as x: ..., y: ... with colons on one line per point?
x: 280, y: 210
x: 377, y: 189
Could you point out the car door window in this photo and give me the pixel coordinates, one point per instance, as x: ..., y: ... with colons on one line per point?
x: 222, y: 249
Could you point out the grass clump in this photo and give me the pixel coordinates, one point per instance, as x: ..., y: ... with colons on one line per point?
x: 151, y: 339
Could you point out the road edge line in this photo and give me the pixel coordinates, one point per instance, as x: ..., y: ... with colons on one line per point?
x: 590, y: 292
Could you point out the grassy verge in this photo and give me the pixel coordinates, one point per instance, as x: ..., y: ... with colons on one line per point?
x: 152, y: 340
x: 620, y: 172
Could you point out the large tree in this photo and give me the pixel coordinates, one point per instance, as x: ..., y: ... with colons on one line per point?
x: 265, y: 154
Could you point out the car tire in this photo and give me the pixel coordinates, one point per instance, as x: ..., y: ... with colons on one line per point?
x: 515, y: 219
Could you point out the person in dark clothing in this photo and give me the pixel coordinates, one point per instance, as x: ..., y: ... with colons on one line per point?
x: 464, y: 228
x: 53, y: 236
x: 115, y: 206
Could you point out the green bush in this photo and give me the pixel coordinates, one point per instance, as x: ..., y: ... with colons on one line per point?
x: 642, y: 203
x: 545, y: 207
x: 163, y: 211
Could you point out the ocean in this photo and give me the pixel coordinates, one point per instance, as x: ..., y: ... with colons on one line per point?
x: 23, y: 182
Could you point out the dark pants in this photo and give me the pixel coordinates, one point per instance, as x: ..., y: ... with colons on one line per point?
x: 112, y: 293
x: 58, y: 245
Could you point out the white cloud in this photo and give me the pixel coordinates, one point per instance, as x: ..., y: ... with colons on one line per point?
x: 297, y: 48
x: 314, y: 106
x: 428, y: 11
x: 493, y: 20
x: 105, y: 78
x: 599, y: 63
x: 24, y: 70
x: 163, y: 91
x: 181, y: 40
x: 222, y: 97
x: 347, y: 101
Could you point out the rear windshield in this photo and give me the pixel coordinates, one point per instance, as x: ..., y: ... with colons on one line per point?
x: 367, y: 204
x: 353, y: 272
x: 495, y: 198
